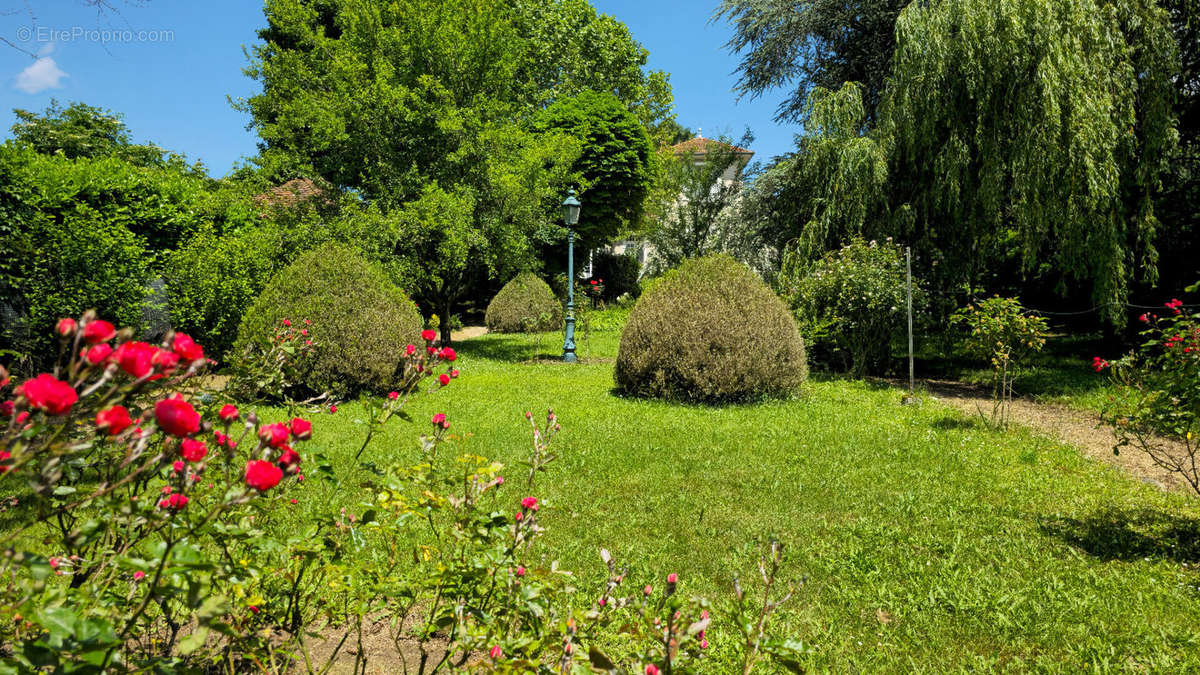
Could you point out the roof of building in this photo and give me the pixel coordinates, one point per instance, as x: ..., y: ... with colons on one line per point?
x: 700, y: 145
x: 292, y: 192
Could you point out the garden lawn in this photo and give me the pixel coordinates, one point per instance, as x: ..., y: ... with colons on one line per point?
x: 929, y: 542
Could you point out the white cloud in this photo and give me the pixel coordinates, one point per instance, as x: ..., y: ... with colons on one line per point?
x: 42, y: 74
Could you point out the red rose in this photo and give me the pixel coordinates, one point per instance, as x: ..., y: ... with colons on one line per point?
x: 65, y: 327
x: 428, y: 335
x: 98, y: 354
x: 115, y: 419
x: 135, y: 358
x: 439, y: 418
x: 177, y: 417
x: 449, y: 354
x: 275, y: 435
x: 186, y: 348
x: 287, y: 323
x: 301, y: 429
x: 410, y: 350
x: 289, y: 459
x: 444, y: 379
x: 174, y: 502
x: 165, y: 361
x: 98, y: 331
x: 6, y: 408
x: 228, y: 413
x: 48, y: 393
x: 193, y: 450
x: 4, y: 464
x: 593, y: 282
x: 393, y: 395
x: 262, y: 475
x: 530, y: 503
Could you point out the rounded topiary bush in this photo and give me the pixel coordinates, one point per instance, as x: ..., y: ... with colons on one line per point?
x: 360, y: 321
x: 525, y: 305
x: 710, y: 331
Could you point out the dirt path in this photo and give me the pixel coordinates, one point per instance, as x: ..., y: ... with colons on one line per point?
x: 467, y: 332
x: 1080, y: 428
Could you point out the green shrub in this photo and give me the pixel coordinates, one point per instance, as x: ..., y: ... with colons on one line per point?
x: 620, y: 273
x: 851, y: 304
x: 80, y: 234
x: 711, y: 331
x: 525, y: 305
x: 360, y: 321
x: 213, y: 278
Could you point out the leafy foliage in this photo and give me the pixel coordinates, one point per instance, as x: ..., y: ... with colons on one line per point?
x: 1001, y: 332
x: 214, y: 277
x: 614, y: 162
x: 81, y: 130
x: 710, y: 331
x: 429, y: 117
x: 361, y: 322
x: 620, y: 272
x: 1157, y: 408
x: 700, y: 218
x: 525, y: 305
x: 813, y: 44
x: 851, y: 304
x: 1027, y: 135
x: 83, y: 234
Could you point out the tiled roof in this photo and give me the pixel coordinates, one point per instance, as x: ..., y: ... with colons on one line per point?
x: 292, y: 192
x: 700, y: 146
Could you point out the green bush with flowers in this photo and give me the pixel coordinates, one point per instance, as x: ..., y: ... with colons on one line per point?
x: 1156, y: 407
x: 146, y: 537
x: 851, y: 304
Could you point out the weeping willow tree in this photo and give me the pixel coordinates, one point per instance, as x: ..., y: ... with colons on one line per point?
x: 1026, y: 130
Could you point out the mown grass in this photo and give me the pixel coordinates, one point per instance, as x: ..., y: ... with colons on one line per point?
x: 929, y: 542
x: 1060, y: 374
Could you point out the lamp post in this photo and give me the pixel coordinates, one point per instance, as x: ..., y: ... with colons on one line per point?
x: 570, y: 219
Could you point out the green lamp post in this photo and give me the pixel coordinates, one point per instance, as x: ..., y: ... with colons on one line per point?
x: 570, y: 219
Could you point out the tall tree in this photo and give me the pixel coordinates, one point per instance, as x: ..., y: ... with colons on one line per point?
x: 414, y: 106
x: 817, y: 43
x: 1027, y: 134
x: 570, y: 49
x: 707, y: 176
x: 615, y: 162
x: 1046, y: 123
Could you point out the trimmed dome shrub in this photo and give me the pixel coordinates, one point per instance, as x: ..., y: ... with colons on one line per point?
x: 710, y: 331
x: 360, y: 321
x: 525, y: 305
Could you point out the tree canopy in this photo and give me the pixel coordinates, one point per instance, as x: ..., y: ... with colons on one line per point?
x: 1031, y: 131
x: 615, y: 161
x: 819, y: 43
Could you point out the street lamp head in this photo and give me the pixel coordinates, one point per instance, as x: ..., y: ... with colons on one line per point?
x: 571, y: 210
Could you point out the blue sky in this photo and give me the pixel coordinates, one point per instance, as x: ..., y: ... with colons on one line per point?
x: 169, y: 67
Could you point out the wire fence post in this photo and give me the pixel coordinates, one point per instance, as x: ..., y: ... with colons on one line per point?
x: 908, y: 264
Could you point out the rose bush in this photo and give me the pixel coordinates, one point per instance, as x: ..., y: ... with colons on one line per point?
x: 1156, y: 408
x: 148, y: 538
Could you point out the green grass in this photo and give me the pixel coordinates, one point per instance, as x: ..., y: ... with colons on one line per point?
x: 989, y: 551
x: 1061, y: 373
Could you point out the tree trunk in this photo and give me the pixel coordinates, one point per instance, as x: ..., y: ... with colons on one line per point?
x: 447, y: 305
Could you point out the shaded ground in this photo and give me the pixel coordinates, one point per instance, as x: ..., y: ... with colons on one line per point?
x: 1080, y: 428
